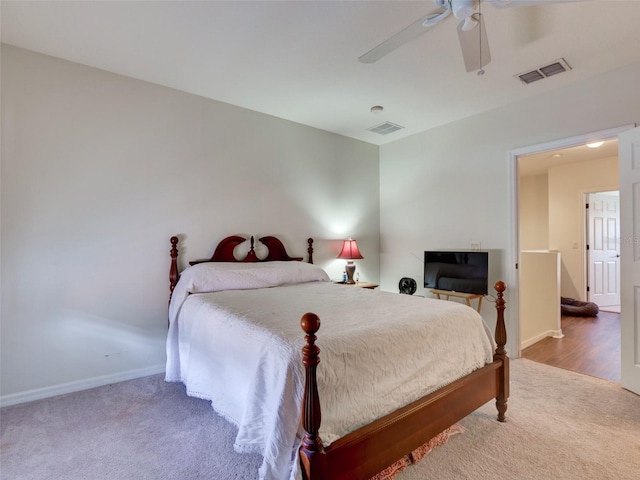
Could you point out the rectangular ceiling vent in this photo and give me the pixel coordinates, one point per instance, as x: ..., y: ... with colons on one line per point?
x: 385, y: 128
x: 553, y: 68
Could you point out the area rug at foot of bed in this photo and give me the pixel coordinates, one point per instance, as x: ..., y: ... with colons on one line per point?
x: 418, y: 454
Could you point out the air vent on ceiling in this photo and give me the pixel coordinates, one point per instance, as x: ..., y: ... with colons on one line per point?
x: 385, y: 128
x: 553, y: 68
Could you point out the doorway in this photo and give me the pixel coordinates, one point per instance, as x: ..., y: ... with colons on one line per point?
x: 563, y: 228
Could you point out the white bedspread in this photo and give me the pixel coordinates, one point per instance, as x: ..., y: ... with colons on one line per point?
x: 240, y: 349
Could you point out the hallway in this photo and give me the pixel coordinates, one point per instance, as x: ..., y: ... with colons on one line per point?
x: 590, y: 346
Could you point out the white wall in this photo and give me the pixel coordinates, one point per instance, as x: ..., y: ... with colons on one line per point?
x: 100, y: 170
x: 446, y: 186
x: 568, y: 185
x: 539, y: 296
x: 534, y: 212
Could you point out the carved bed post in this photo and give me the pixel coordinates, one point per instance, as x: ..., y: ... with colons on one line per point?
x: 501, y: 352
x: 310, y: 249
x: 174, y: 276
x: 312, y: 455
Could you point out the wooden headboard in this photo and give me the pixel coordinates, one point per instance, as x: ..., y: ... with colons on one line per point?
x: 224, y: 253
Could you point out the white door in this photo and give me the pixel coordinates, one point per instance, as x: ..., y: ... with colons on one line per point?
x: 603, y: 249
x: 629, y: 156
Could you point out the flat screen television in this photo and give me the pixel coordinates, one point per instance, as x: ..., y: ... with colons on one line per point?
x: 464, y: 272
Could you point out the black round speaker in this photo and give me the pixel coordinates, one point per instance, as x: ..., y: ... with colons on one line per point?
x: 407, y: 286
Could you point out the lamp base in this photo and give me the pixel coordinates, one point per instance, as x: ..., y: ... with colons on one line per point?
x: 350, y: 268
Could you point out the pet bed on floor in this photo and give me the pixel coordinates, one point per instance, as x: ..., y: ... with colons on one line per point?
x: 577, y: 308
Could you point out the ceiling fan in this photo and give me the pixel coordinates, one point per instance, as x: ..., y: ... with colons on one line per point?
x: 471, y: 32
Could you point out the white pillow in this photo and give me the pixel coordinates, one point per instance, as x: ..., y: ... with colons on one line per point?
x: 219, y: 276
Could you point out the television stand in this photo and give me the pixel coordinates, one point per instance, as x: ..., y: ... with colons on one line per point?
x: 467, y: 296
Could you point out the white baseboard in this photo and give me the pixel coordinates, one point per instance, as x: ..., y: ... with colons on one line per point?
x: 64, y: 388
x: 549, y: 333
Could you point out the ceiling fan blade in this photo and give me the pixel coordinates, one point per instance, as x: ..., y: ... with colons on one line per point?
x: 405, y: 35
x: 474, y: 45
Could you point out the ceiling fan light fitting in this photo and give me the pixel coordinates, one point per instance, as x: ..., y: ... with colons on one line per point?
x: 463, y: 9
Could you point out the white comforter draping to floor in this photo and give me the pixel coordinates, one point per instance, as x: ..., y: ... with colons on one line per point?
x: 240, y: 349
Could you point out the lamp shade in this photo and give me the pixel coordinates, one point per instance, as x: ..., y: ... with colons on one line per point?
x: 350, y: 251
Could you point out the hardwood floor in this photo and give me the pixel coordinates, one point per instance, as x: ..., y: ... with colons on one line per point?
x: 590, y: 346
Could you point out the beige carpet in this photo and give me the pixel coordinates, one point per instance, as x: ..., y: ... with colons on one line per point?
x: 562, y: 425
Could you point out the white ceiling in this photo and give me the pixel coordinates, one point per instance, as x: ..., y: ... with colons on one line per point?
x: 298, y: 60
x: 539, y: 163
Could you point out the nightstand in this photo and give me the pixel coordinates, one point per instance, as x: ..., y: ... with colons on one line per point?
x: 368, y: 285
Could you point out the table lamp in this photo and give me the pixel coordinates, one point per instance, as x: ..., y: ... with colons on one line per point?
x: 350, y: 253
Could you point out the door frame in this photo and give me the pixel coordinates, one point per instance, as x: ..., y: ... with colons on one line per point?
x: 513, y: 155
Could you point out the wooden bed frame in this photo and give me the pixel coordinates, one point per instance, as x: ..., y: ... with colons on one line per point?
x: 370, y: 449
